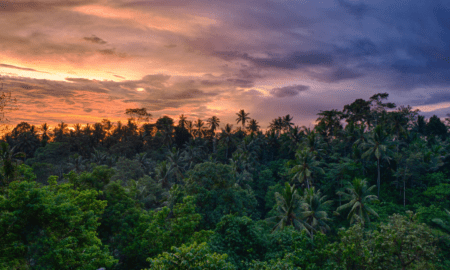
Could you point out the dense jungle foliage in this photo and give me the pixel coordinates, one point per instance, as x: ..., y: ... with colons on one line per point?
x: 367, y: 188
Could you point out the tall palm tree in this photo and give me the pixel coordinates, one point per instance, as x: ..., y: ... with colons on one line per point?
x: 276, y: 125
x: 163, y: 174
x: 8, y: 161
x: 306, y: 167
x: 190, y: 127
x: 315, y: 208
x: 60, y: 132
x: 377, y: 145
x: 253, y: 126
x: 182, y: 122
x: 443, y: 224
x: 45, y: 134
x: 213, y: 123
x: 359, y: 196
x: 289, y: 209
x: 242, y: 118
x: 287, y: 122
x: 200, y: 130
x: 175, y: 159
x: 227, y: 136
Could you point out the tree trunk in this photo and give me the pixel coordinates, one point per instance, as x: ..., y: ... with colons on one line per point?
x: 404, y: 193
x: 378, y: 178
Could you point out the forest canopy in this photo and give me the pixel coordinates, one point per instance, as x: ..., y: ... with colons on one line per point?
x: 367, y: 188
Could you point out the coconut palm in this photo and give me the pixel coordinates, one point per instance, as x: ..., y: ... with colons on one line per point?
x: 242, y: 118
x: 315, y: 207
x: 200, y: 130
x: 9, y: 159
x: 289, y: 209
x: 377, y: 145
x: 287, y: 122
x: 176, y: 162
x: 276, y: 125
x: 443, y: 224
x: 358, y: 194
x: 213, y: 123
x: 190, y: 127
x: 227, y: 137
x: 60, y: 132
x: 182, y: 122
x: 306, y: 167
x: 253, y: 126
x: 45, y: 134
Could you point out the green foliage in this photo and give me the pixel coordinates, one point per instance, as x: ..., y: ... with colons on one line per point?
x: 97, y: 179
x: 402, y: 243
x: 216, y: 194
x: 52, y: 153
x: 440, y: 194
x: 127, y: 169
x: 359, y: 196
x: 50, y: 227
x: 134, y: 234
x: 239, y: 237
x: 192, y: 257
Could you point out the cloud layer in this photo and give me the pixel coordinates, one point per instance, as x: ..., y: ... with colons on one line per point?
x: 84, y: 60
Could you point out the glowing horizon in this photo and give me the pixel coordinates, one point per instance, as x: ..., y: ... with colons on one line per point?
x: 82, y: 61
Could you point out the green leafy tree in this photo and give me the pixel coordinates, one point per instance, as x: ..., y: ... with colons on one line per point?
x: 377, y: 145
x: 191, y: 257
x: 315, y: 211
x: 359, y: 196
x: 306, y: 167
x: 288, y: 210
x: 241, y: 238
x: 242, y: 117
x: 216, y: 193
x: 50, y: 227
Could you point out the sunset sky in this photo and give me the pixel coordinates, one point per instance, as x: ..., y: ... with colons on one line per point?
x: 80, y: 61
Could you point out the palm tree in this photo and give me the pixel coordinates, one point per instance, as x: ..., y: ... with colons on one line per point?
x: 182, y: 122
x: 60, y: 132
x: 253, y: 126
x: 190, y: 127
x: 163, y: 174
x: 9, y: 160
x: 443, y: 224
x: 227, y: 136
x: 213, y: 123
x: 242, y: 118
x: 315, y: 209
x: 306, y: 166
x: 287, y: 122
x: 289, y: 209
x: 276, y: 125
x: 45, y: 136
x: 359, y: 196
x: 176, y: 161
x: 200, y: 131
x: 377, y: 145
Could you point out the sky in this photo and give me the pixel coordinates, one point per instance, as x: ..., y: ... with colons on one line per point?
x: 81, y: 61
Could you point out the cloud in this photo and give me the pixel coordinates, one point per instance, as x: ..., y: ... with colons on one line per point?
x: 356, y: 9
x: 288, y: 91
x: 95, y: 39
x: 21, y: 68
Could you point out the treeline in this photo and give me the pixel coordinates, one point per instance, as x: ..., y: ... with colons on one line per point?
x: 366, y: 188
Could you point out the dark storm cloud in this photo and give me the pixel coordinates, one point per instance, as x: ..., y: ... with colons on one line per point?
x: 293, y: 60
x: 356, y: 9
x: 288, y: 91
x: 433, y: 97
x: 95, y: 39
